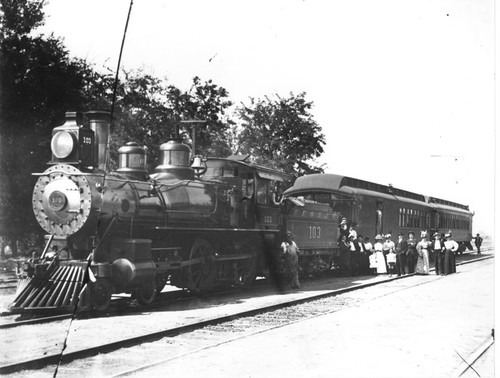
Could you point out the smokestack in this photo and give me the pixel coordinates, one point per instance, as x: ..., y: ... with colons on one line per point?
x: 99, y: 122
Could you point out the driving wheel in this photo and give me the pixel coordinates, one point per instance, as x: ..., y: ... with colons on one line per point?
x: 201, y: 273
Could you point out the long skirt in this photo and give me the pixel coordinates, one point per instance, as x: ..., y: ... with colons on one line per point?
x: 422, y: 262
x: 380, y: 261
x: 449, y: 262
x: 453, y: 263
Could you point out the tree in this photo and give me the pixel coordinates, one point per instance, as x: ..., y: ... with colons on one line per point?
x: 208, y: 102
x: 149, y: 111
x: 38, y: 83
x: 281, y: 132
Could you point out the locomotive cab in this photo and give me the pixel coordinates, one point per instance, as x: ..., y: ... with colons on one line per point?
x: 256, y: 192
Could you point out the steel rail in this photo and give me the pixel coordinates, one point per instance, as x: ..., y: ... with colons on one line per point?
x: 173, y: 297
x: 170, y: 298
x: 52, y: 359
x: 45, y: 319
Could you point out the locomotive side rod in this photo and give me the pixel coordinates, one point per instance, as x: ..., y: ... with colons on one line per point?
x: 182, y: 264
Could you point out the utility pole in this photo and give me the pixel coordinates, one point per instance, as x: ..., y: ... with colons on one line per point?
x: 194, y: 123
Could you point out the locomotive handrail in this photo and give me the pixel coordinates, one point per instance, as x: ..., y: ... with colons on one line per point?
x: 68, y: 173
x: 173, y: 228
x: 174, y: 186
x: 51, y: 237
x: 115, y: 217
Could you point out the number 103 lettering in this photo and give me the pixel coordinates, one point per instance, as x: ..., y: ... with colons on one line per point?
x: 314, y: 232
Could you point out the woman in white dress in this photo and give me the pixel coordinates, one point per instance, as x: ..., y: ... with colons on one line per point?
x: 423, y: 255
x: 379, y: 255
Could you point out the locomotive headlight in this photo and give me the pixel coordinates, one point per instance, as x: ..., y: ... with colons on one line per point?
x: 62, y: 144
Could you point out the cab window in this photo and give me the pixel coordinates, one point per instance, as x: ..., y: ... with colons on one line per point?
x: 262, y: 196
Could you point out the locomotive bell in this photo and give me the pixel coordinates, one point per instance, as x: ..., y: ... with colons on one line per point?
x: 132, y: 161
x: 174, y: 161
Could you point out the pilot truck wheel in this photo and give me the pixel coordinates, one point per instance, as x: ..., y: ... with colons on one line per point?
x: 100, y: 294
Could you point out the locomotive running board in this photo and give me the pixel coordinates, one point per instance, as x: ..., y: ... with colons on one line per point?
x: 58, y: 288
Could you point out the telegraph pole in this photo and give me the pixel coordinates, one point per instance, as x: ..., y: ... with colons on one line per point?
x: 194, y: 123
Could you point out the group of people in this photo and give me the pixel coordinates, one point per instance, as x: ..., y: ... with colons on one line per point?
x: 358, y: 256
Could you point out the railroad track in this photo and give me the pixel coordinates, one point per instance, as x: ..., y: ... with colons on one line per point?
x: 276, y: 314
x: 119, y: 306
x: 36, y: 320
x: 123, y: 305
x: 8, y: 283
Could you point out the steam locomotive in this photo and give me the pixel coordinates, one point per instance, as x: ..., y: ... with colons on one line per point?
x: 197, y: 224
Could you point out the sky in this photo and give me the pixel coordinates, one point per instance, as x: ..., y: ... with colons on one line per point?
x: 403, y: 89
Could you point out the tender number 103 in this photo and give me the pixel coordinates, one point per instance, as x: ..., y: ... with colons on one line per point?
x: 314, y: 232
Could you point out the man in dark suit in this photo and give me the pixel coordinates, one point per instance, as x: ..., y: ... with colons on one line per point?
x: 401, y: 249
x: 437, y: 248
x: 478, y: 241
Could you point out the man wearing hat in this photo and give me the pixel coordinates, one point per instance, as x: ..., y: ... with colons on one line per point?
x: 437, y: 247
x: 401, y: 247
x: 478, y: 240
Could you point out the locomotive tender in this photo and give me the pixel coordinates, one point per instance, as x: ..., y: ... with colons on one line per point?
x: 193, y: 224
